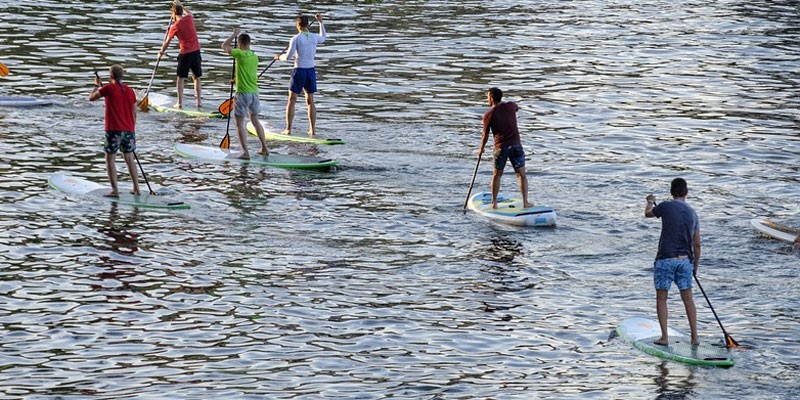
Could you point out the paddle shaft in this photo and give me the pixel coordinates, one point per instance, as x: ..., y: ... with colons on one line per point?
x: 143, y: 174
x: 226, y: 141
x: 728, y: 339
x: 284, y: 50
x: 472, y: 182
x: 158, y: 60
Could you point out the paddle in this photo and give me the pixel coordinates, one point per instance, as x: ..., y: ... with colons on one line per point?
x: 226, y: 141
x: 472, y: 182
x: 729, y: 341
x: 144, y: 104
x: 143, y: 174
x: 283, y: 51
x: 3, y: 70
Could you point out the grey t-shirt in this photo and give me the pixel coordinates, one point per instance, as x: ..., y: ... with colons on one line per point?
x: 678, y: 225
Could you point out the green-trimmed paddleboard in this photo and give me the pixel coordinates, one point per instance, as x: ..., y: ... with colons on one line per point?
x: 773, y: 230
x: 269, y: 134
x: 272, y: 160
x: 78, y: 186
x: 641, y: 332
x: 163, y: 103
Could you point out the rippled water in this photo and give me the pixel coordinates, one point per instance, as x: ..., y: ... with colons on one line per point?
x: 369, y: 281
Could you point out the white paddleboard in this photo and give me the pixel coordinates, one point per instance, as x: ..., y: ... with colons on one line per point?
x: 164, y: 103
x: 642, y: 332
x: 272, y: 160
x: 509, y: 211
x: 78, y: 186
x: 23, y: 101
x: 773, y: 230
x: 269, y: 134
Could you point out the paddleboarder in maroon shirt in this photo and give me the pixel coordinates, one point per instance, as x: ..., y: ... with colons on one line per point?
x: 189, y: 56
x: 501, y: 120
x: 120, y: 125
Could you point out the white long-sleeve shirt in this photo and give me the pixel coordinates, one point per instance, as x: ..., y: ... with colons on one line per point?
x: 303, y: 48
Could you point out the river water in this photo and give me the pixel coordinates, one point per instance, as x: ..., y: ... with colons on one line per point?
x: 368, y: 281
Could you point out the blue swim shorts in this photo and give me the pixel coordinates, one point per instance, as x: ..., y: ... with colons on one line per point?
x: 671, y: 270
x: 514, y: 153
x: 303, y: 78
x: 116, y: 140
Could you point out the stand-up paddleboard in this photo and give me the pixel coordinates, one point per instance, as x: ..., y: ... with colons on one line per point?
x: 23, y: 101
x: 271, y: 160
x: 773, y: 230
x: 79, y: 186
x: 509, y: 211
x: 163, y: 103
x: 271, y: 135
x: 641, y: 332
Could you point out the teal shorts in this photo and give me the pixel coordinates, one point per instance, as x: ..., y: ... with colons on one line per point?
x: 678, y: 270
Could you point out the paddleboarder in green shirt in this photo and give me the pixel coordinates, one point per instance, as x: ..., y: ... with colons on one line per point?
x: 246, y: 102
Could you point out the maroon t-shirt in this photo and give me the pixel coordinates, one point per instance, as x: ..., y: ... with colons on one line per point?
x: 501, y: 120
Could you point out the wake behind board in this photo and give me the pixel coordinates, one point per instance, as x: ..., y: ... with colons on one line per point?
x: 773, y: 230
x: 164, y: 103
x: 271, y: 135
x: 272, y: 160
x: 23, y: 101
x: 82, y: 187
x: 641, y: 332
x: 510, y: 211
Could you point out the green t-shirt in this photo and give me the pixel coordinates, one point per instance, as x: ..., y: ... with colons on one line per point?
x: 246, y: 70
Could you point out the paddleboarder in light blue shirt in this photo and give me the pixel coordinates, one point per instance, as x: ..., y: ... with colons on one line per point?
x: 303, y: 48
x: 678, y: 255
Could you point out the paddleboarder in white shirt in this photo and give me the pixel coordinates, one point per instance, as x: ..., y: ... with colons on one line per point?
x: 302, y: 48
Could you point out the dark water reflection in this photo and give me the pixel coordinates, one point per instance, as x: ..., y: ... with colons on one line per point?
x: 369, y: 281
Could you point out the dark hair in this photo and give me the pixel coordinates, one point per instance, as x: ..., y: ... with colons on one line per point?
x: 303, y: 20
x: 178, y: 10
x: 678, y: 188
x: 117, y: 72
x: 244, y: 39
x: 496, y: 93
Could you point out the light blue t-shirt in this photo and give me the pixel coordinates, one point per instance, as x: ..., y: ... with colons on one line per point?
x: 678, y: 224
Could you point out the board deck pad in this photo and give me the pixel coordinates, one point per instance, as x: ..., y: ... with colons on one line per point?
x: 510, y: 211
x: 270, y: 134
x: 642, y: 332
x: 773, y: 230
x: 272, y: 160
x: 78, y: 186
x: 23, y: 101
x: 164, y: 103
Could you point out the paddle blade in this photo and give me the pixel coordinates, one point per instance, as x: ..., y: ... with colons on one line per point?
x: 225, y: 144
x: 144, y: 105
x: 3, y: 70
x: 731, y: 342
x: 226, y: 107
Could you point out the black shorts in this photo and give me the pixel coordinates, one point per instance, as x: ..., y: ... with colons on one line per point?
x: 190, y: 61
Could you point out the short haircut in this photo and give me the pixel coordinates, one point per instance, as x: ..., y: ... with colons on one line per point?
x: 302, y: 20
x: 117, y: 72
x: 678, y: 187
x: 496, y: 93
x: 244, y: 39
x: 178, y: 10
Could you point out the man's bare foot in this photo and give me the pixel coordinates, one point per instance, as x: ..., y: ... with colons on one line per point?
x: 135, y: 192
x: 243, y: 156
x: 661, y: 342
x: 494, y: 205
x: 178, y: 106
x: 263, y: 152
x: 198, y: 104
x: 528, y: 205
x: 286, y: 132
x: 311, y: 133
x: 111, y: 194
